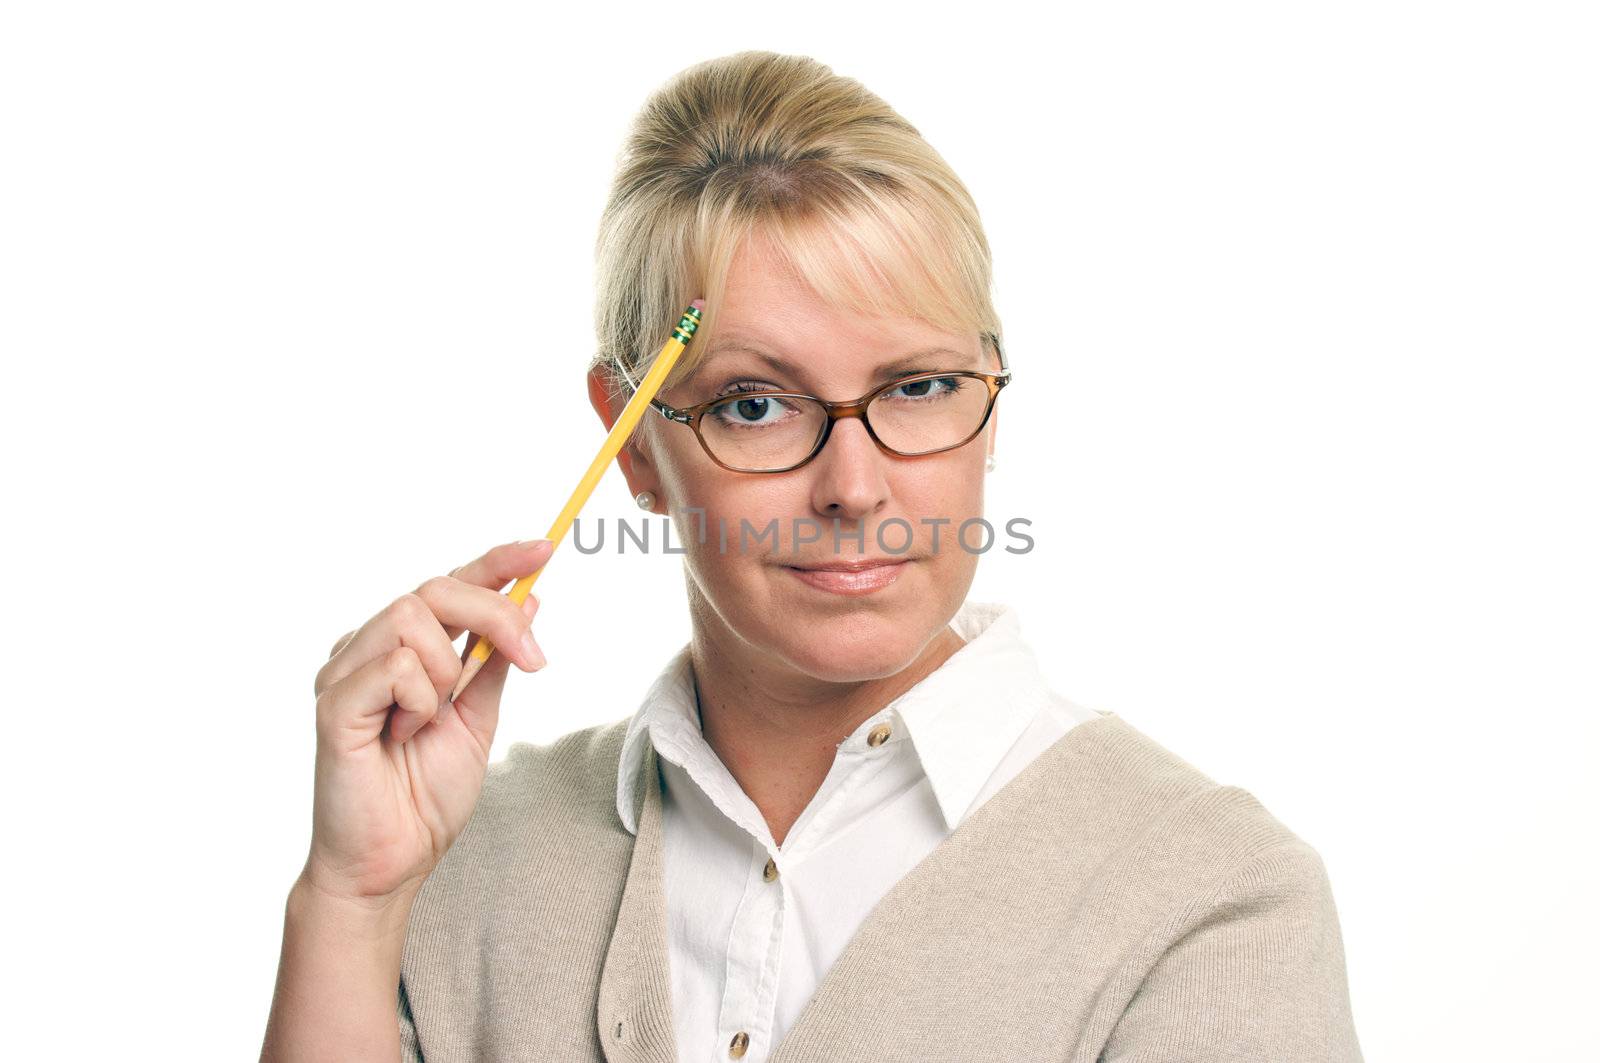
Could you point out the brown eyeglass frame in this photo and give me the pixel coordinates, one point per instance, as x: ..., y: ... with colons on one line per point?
x: 692, y: 415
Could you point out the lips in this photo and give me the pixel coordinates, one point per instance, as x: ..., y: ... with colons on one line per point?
x: 863, y: 576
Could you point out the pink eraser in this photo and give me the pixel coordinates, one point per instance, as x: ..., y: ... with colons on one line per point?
x: 698, y: 304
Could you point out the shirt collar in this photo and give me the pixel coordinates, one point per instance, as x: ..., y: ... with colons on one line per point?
x: 961, y: 718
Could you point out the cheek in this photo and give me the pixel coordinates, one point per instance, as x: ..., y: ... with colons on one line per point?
x: 950, y: 500
x: 956, y: 494
x: 715, y: 506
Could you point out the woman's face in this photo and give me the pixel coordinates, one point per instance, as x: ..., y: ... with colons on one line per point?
x: 747, y: 598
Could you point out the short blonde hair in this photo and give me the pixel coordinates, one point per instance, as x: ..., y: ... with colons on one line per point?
x: 756, y: 142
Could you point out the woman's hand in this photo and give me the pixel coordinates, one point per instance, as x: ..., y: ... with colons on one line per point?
x: 399, y: 770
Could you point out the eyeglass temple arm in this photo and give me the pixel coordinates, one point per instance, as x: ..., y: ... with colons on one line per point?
x: 1005, y: 365
x: 656, y: 404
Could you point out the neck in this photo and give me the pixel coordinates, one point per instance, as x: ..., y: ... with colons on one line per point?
x: 776, y: 728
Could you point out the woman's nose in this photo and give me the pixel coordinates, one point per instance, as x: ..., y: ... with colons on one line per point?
x: 850, y: 477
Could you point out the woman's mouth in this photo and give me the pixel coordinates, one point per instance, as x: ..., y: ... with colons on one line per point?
x: 839, y: 578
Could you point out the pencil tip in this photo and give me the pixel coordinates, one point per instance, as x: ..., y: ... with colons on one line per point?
x: 471, y: 669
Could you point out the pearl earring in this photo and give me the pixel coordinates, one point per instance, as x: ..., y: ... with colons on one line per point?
x: 645, y: 500
x: 988, y: 463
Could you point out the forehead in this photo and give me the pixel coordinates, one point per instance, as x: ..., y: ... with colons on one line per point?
x: 765, y: 301
x: 768, y: 310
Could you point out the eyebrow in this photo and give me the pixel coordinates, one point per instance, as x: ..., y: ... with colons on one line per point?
x: 911, y: 362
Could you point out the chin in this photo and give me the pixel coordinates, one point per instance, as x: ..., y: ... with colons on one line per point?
x: 850, y: 664
x: 866, y: 643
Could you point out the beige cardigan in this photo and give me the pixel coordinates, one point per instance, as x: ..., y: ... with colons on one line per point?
x: 1109, y: 903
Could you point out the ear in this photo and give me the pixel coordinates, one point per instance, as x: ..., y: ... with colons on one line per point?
x: 637, y: 468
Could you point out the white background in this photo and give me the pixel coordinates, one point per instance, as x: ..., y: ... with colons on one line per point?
x: 1301, y: 301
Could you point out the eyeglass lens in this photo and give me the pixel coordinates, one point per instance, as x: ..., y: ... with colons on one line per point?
x: 759, y: 433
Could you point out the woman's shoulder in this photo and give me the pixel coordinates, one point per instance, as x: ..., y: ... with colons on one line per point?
x: 1227, y: 922
x: 1143, y: 794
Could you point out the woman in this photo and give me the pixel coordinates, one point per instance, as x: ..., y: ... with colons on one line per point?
x: 850, y: 820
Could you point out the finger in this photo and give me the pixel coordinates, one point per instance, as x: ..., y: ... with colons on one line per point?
x: 463, y: 607
x: 400, y: 623
x: 406, y: 621
x: 479, y: 704
x: 344, y: 640
x: 352, y: 712
x: 504, y: 563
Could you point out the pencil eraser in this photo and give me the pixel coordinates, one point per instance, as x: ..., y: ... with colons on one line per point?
x: 698, y: 304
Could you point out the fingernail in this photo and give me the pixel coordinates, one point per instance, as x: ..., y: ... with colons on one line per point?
x: 530, y: 651
x: 531, y: 542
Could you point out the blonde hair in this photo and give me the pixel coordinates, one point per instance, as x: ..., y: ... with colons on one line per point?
x: 758, y: 143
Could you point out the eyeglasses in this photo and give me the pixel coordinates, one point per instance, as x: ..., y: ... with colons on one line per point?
x: 767, y: 431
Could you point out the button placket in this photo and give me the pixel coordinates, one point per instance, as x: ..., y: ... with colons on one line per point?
x: 750, y: 987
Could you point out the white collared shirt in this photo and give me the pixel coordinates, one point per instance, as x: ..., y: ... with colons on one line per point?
x: 748, y: 944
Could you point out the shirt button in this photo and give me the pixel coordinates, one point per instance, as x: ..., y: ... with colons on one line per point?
x: 878, y: 735
x: 770, y: 872
x: 740, y: 1042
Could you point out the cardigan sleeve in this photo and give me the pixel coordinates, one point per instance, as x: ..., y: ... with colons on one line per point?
x: 1254, y: 973
x: 410, y: 1050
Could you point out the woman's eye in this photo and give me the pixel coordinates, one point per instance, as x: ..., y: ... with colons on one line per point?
x: 755, y: 411
x: 932, y: 388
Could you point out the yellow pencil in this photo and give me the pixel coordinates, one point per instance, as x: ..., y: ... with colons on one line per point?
x: 681, y: 335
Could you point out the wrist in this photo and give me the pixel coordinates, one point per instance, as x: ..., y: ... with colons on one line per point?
x: 312, y: 900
